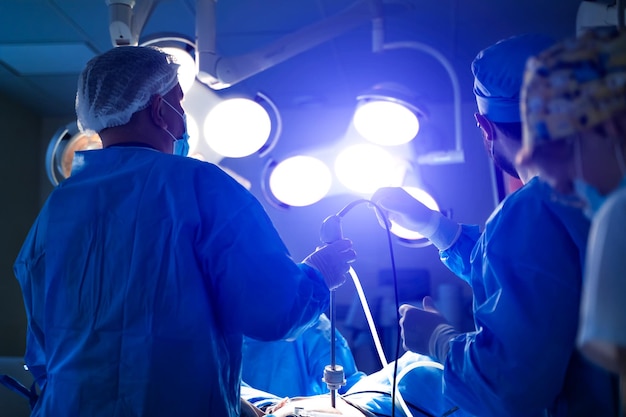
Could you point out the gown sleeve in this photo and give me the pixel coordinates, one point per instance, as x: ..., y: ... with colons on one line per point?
x: 457, y: 257
x: 262, y: 292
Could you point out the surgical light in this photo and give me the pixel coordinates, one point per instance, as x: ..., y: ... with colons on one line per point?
x: 187, y: 69
x: 183, y: 51
x: 385, y: 123
x: 449, y: 156
x: 219, y: 72
x: 237, y: 127
x: 300, y: 180
x: 387, y: 116
x: 64, y: 143
x: 364, y: 168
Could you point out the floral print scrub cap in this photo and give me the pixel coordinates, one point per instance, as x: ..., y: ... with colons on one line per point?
x: 572, y: 86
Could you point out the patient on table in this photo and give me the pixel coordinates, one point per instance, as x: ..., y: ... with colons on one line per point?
x: 419, y: 384
x: 296, y: 368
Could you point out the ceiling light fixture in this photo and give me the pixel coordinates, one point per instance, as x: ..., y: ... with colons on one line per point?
x: 61, y: 148
x: 455, y: 155
x: 297, y: 181
x: 127, y: 19
x: 386, y: 115
x: 237, y: 127
x: 220, y: 72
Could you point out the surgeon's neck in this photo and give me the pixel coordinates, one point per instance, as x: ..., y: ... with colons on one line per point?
x: 526, y: 174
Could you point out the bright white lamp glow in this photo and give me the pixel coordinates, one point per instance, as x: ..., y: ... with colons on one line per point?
x: 422, y: 196
x: 365, y: 168
x: 300, y: 181
x: 237, y: 127
x: 187, y: 69
x: 385, y: 123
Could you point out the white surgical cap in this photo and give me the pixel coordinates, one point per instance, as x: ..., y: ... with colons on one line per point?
x: 120, y: 82
x: 498, y: 74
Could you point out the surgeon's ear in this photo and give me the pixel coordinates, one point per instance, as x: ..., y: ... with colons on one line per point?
x: 156, y: 111
x: 485, y: 126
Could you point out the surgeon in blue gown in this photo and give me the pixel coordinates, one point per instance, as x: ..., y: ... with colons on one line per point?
x: 143, y: 270
x: 524, y: 269
x: 290, y: 368
x: 583, y: 154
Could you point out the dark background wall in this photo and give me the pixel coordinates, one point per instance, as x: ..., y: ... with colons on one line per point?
x: 23, y: 189
x: 19, y: 188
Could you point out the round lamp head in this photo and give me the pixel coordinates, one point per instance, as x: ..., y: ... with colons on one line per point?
x: 300, y: 181
x: 237, y: 127
x: 385, y: 122
x: 62, y: 147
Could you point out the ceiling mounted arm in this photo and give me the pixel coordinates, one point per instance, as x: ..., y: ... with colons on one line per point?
x: 127, y: 19
x: 220, y: 72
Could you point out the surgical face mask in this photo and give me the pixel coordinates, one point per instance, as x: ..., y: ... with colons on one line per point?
x: 592, y: 198
x: 590, y: 195
x: 181, y: 145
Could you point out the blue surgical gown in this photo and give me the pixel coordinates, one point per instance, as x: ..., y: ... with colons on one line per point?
x: 525, y: 273
x: 296, y: 368
x: 141, y: 275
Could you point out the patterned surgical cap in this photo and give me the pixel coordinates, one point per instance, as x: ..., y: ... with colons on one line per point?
x: 573, y: 86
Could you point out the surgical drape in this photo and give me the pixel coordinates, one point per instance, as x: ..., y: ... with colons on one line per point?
x: 295, y: 368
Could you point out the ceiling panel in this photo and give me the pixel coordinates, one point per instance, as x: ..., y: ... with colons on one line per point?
x: 330, y: 71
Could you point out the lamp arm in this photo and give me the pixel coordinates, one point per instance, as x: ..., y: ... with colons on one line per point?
x: 127, y: 19
x: 446, y: 157
x: 142, y: 13
x: 220, y: 72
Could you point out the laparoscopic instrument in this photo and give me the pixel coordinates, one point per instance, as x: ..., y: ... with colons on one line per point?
x: 331, y: 231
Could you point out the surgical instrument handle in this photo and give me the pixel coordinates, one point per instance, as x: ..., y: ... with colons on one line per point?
x: 331, y: 229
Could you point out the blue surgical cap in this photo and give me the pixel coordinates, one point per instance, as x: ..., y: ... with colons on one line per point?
x: 498, y: 74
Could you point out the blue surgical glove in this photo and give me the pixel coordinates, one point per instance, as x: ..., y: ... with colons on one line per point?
x: 333, y: 261
x: 406, y: 211
x: 425, y: 330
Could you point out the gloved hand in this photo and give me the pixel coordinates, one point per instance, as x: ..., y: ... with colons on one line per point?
x: 425, y: 330
x: 404, y: 210
x: 333, y: 261
x: 400, y: 207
